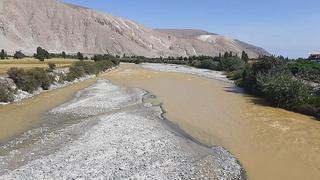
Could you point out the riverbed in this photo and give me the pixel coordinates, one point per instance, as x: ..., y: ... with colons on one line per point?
x: 270, y: 143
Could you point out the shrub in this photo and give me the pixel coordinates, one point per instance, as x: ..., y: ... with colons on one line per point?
x: 267, y: 65
x: 283, y: 90
x: 208, y: 64
x: 51, y: 66
x: 230, y: 64
x: 236, y: 75
x: 42, y: 78
x: 30, y: 80
x: 18, y: 55
x: 18, y: 76
x: 137, y: 61
x: 75, y: 72
x: 88, y: 67
x: 103, y: 65
x: 195, y: 63
x: 305, y: 69
x: 100, y: 57
x: 6, y: 95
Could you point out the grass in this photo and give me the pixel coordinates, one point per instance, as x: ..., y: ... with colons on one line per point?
x: 29, y: 63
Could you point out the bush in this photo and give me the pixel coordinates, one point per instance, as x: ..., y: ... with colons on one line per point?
x: 18, y: 55
x: 230, y: 64
x: 30, y: 80
x: 264, y: 66
x: 18, y: 76
x: 305, y: 69
x: 6, y: 95
x: 236, y: 75
x: 208, y: 64
x: 103, y: 65
x: 283, y: 90
x: 51, y: 66
x: 88, y: 67
x: 104, y: 57
x: 43, y: 79
x: 75, y: 72
x: 195, y: 63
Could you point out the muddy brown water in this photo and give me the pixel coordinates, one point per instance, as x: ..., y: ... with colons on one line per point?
x: 18, y: 117
x: 270, y: 143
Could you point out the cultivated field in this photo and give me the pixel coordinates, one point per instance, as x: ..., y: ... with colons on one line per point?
x: 28, y: 63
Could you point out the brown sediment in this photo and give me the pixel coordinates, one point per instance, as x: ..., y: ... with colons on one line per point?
x: 18, y: 117
x: 270, y: 143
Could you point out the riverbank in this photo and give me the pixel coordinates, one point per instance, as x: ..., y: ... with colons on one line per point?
x: 21, y: 84
x: 117, y: 133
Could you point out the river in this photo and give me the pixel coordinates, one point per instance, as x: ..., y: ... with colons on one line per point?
x: 270, y: 143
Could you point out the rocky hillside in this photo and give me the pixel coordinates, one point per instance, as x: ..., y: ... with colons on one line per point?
x: 56, y: 26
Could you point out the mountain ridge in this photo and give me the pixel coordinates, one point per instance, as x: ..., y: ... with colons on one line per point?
x: 58, y: 26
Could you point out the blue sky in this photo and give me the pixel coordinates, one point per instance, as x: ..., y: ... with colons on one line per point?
x: 283, y: 27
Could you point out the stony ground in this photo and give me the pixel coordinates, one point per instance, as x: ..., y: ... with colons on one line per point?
x: 217, y: 75
x: 118, y: 136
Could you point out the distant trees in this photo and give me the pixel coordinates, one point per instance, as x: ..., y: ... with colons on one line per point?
x: 100, y: 57
x: 306, y: 69
x: 42, y: 54
x: 18, y: 55
x: 245, y: 57
x: 80, y: 56
x: 3, y: 54
x: 63, y: 54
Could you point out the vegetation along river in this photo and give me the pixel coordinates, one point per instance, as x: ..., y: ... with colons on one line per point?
x: 270, y: 143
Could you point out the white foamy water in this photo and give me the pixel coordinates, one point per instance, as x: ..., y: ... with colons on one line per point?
x: 218, y: 75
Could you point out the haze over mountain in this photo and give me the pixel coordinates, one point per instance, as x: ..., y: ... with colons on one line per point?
x: 57, y: 26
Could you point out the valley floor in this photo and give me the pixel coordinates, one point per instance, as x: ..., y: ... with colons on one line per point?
x: 117, y: 128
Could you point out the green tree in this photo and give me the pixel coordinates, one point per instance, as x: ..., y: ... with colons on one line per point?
x: 64, y: 55
x: 18, y: 55
x: 282, y: 89
x: 41, y: 54
x: 245, y: 57
x: 80, y: 56
x: 3, y: 54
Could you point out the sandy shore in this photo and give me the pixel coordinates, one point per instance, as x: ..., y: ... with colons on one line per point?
x: 116, y: 133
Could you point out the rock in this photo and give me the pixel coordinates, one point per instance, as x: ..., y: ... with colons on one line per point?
x: 7, y: 90
x: 8, y: 83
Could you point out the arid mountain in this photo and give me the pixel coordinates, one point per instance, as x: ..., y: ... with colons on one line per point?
x: 57, y: 26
